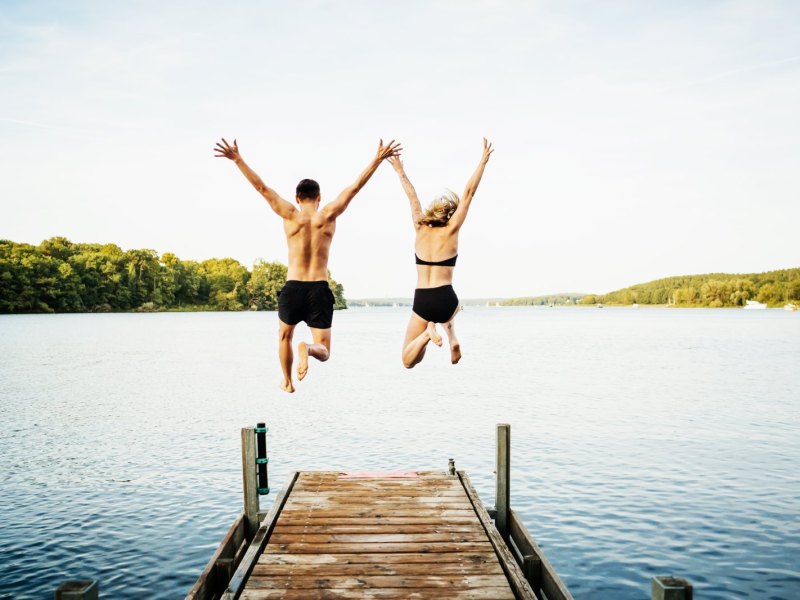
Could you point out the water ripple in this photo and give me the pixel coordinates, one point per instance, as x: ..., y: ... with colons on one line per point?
x: 645, y: 442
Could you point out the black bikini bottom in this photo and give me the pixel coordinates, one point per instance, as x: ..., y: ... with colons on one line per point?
x: 437, y: 304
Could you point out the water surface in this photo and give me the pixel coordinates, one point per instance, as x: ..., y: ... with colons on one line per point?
x: 644, y: 442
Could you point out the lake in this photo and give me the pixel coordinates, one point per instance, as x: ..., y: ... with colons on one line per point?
x: 644, y: 442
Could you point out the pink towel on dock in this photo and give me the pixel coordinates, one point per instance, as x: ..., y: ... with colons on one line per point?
x: 379, y: 475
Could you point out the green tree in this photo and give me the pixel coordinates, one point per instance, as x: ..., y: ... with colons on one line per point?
x: 264, y: 284
x: 226, y: 282
x: 339, y: 301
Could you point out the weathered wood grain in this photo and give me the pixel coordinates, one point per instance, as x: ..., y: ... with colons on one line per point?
x: 378, y: 538
x: 485, y: 556
x: 495, y: 593
x: 451, y: 582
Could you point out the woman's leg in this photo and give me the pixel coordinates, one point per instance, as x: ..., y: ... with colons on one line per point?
x: 455, y: 345
x: 418, y: 334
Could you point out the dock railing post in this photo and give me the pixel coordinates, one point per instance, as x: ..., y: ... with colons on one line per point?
x: 670, y: 588
x: 503, y: 476
x: 249, y: 481
x: 83, y: 589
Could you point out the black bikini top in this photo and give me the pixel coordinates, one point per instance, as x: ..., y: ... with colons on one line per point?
x: 448, y: 262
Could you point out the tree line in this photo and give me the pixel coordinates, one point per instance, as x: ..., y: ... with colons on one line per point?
x: 774, y: 288
x: 61, y: 276
x: 552, y: 299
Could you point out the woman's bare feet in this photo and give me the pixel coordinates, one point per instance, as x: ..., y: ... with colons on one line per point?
x: 302, y: 360
x: 287, y: 386
x: 455, y: 352
x: 433, y: 334
x: 455, y: 347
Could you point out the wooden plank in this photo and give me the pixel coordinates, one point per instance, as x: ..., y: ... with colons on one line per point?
x: 517, y: 580
x: 428, y: 484
x: 209, y: 584
x: 266, y: 569
x: 550, y: 581
x: 497, y: 593
x: 260, y: 540
x: 378, y: 504
x: 356, y: 548
x: 355, y: 497
x: 335, y: 475
x: 465, y: 519
x: 409, y: 511
x: 484, y: 556
x: 451, y: 582
x: 360, y: 527
x: 374, y: 538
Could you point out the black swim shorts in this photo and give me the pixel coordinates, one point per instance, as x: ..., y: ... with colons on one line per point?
x: 437, y: 304
x: 309, y: 301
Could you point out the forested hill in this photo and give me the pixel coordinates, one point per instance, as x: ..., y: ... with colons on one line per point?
x: 774, y: 288
x: 60, y: 276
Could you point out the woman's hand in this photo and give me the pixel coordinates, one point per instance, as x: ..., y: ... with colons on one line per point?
x: 396, y: 163
x: 487, y: 150
x: 225, y: 150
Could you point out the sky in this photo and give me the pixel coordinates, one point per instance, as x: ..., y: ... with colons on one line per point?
x: 634, y: 140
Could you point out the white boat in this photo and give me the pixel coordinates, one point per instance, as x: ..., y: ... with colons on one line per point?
x: 790, y: 306
x: 634, y: 306
x: 753, y: 305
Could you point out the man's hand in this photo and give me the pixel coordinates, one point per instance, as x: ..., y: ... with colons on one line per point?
x: 387, y: 151
x: 487, y: 150
x: 225, y: 150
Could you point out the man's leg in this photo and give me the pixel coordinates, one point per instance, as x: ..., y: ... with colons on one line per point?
x: 285, y: 333
x: 320, y: 349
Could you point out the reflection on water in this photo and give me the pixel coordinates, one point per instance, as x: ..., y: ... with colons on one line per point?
x: 643, y: 442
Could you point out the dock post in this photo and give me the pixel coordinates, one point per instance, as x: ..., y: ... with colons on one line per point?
x: 78, y: 590
x: 249, y: 481
x: 670, y: 588
x: 503, y: 476
x: 261, y: 458
x: 451, y: 466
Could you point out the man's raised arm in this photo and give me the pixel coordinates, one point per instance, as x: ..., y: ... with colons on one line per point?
x: 283, y: 208
x: 337, y: 207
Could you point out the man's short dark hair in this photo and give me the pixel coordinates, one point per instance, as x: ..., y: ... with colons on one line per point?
x: 307, y: 189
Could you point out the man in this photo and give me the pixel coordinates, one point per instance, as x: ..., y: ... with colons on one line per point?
x: 309, y: 232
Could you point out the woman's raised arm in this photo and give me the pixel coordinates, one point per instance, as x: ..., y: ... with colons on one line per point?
x: 416, y: 209
x: 458, y: 218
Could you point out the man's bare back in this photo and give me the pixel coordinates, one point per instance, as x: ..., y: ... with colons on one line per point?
x: 309, y: 233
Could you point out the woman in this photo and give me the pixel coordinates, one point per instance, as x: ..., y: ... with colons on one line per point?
x: 436, y: 250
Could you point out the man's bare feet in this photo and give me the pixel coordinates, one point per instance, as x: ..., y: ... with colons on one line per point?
x: 455, y: 352
x: 433, y: 334
x: 287, y: 386
x: 302, y: 360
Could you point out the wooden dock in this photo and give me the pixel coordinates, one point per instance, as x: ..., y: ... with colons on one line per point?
x: 409, y: 535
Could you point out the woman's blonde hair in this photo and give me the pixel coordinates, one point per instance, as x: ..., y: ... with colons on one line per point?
x: 440, y: 210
